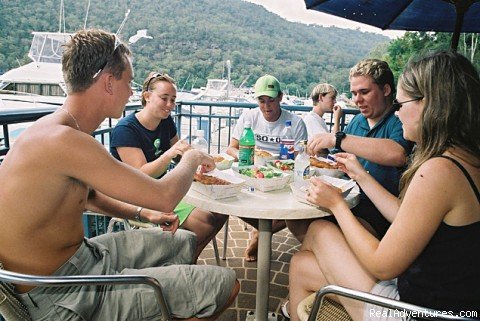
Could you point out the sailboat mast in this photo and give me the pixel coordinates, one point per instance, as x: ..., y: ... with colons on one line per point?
x: 61, y: 18
x: 123, y: 23
x: 86, y: 15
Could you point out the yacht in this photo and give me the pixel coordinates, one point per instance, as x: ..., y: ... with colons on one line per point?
x: 40, y: 82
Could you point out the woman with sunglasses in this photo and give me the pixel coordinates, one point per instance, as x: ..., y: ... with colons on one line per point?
x: 148, y: 140
x: 429, y: 255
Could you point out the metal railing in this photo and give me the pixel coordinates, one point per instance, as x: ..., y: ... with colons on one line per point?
x: 217, y: 119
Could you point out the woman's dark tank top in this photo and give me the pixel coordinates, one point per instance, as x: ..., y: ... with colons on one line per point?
x: 446, y: 275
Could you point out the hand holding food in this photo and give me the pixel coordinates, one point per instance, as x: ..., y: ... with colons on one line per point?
x: 323, y: 194
x: 178, y: 149
x: 320, y: 142
x: 322, y: 164
x: 349, y: 164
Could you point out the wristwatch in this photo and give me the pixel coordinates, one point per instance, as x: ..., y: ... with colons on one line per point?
x: 137, y: 214
x: 339, y: 136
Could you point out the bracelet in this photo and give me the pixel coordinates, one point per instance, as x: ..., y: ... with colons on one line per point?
x: 137, y: 214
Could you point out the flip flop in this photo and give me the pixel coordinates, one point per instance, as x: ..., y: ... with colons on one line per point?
x: 284, y: 310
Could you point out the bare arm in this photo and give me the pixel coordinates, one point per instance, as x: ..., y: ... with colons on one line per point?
x: 382, y: 151
x: 337, y: 116
x: 232, y: 149
x: 80, y: 156
x: 136, y: 158
x: 101, y: 203
x: 383, y: 200
x: 428, y: 194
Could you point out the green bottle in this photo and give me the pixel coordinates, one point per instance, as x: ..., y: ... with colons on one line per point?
x: 246, y: 150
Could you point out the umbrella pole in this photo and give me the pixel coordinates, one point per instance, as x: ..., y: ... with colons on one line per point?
x: 461, y: 6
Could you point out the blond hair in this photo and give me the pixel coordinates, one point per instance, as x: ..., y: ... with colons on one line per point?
x: 322, y: 90
x: 378, y: 70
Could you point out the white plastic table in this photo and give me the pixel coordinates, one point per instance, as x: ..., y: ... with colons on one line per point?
x: 264, y: 206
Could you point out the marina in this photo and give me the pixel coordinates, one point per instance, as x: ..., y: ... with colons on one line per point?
x: 225, y: 59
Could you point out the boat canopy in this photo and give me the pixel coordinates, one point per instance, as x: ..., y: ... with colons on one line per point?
x: 47, y: 46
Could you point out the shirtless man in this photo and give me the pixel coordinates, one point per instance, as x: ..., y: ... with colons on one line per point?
x: 56, y: 170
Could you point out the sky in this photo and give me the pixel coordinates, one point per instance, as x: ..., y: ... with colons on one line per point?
x: 295, y: 10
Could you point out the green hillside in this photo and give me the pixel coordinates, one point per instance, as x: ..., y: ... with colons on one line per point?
x: 193, y: 39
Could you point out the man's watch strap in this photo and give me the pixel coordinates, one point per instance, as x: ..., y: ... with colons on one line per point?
x: 137, y: 214
x: 339, y: 136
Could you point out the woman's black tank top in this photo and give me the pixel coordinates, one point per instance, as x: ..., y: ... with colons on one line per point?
x: 446, y: 275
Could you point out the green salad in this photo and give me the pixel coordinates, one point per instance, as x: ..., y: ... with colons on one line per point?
x: 259, y: 172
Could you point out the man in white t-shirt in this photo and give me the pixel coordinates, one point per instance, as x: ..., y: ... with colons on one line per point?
x: 324, y: 100
x: 268, y: 122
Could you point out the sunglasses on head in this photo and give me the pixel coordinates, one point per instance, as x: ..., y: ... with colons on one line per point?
x: 155, y: 75
x: 397, y: 105
x: 117, y: 44
x: 161, y: 76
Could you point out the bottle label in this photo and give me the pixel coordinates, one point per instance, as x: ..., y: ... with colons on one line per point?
x: 287, y: 149
x: 302, y: 173
x: 246, y: 155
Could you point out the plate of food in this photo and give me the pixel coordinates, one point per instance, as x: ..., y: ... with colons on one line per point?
x: 284, y: 165
x: 217, y: 184
x: 262, y: 178
x: 223, y: 161
x: 323, y: 166
x: 299, y: 189
x: 262, y: 157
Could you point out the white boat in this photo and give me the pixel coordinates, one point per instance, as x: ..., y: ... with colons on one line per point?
x: 222, y: 90
x: 40, y: 82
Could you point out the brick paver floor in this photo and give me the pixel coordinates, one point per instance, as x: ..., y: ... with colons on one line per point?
x: 284, y: 245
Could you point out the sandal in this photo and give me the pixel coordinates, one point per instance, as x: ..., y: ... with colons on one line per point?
x: 284, y: 310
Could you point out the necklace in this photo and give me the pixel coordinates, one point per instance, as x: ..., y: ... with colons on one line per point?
x: 71, y: 116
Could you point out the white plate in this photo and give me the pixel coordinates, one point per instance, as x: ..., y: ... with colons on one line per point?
x: 220, y: 191
x: 299, y: 189
x: 226, y: 163
x: 262, y: 160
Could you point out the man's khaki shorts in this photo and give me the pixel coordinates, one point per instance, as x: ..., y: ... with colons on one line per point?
x: 189, y: 290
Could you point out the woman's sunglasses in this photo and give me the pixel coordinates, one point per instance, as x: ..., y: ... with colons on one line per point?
x: 397, y: 105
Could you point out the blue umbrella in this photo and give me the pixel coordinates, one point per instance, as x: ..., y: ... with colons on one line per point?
x: 412, y: 15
